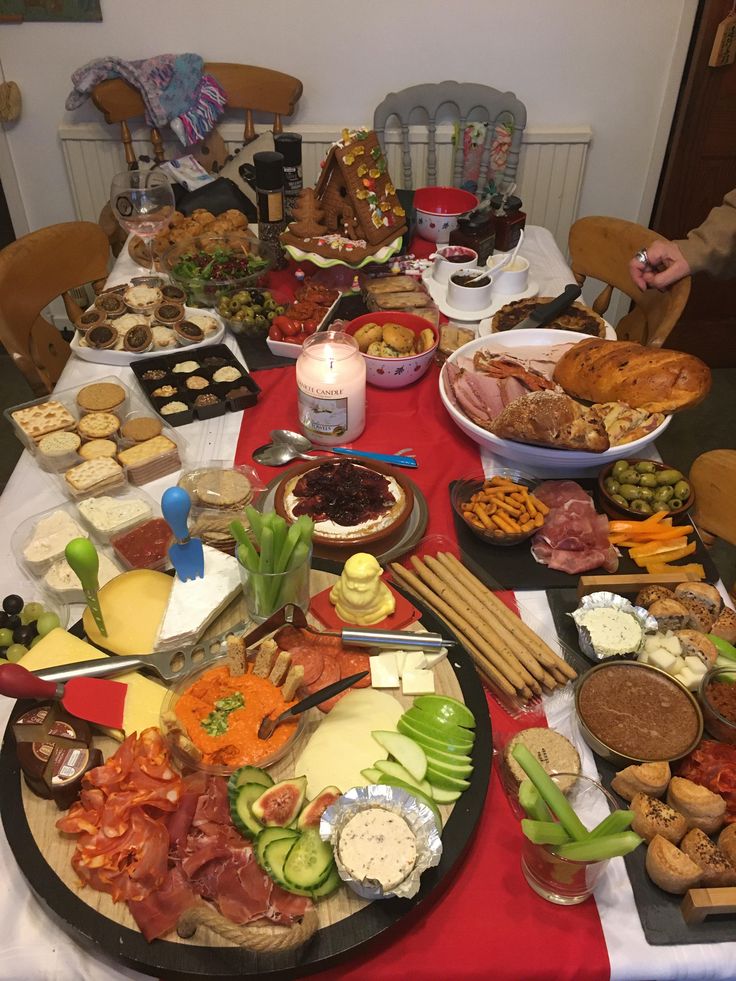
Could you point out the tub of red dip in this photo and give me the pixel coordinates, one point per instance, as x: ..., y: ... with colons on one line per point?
x: 145, y: 547
x: 718, y: 701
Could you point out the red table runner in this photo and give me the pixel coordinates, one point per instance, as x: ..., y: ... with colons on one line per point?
x: 487, y: 922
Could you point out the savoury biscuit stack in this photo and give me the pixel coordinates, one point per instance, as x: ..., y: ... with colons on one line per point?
x: 218, y: 495
x: 150, y: 460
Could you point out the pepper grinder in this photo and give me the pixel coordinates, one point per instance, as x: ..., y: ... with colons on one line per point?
x: 269, y: 186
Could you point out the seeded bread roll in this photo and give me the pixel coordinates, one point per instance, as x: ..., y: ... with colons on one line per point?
x: 646, y: 778
x: 695, y: 644
x: 716, y: 869
x: 670, y: 614
x: 727, y: 843
x: 653, y: 817
x: 725, y: 625
x: 703, y: 592
x: 670, y: 868
x: 700, y: 807
x: 650, y: 594
x: 700, y: 615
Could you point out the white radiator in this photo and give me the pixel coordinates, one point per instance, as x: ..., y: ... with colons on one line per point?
x: 549, y: 181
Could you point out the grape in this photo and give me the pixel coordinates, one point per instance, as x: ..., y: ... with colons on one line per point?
x: 16, y: 651
x: 13, y: 621
x: 46, y: 623
x: 3, y: 618
x: 31, y: 612
x: 6, y: 637
x: 4, y: 660
x: 24, y: 635
x: 13, y: 603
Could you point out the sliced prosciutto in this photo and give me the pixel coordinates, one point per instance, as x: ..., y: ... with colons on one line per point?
x: 574, y: 537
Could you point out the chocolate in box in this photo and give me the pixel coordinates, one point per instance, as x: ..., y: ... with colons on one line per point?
x: 193, y: 382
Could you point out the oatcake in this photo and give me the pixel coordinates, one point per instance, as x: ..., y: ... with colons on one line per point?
x: 100, y: 397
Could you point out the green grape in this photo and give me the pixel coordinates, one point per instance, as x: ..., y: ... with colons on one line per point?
x: 6, y: 637
x: 31, y: 612
x: 16, y: 651
x: 36, y: 640
x: 46, y: 623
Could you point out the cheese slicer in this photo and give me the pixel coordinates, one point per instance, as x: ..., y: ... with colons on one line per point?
x: 97, y: 700
x: 85, y: 563
x: 187, y: 554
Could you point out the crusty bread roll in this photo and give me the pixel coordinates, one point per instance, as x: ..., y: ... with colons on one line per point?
x: 653, y: 817
x: 695, y: 644
x: 725, y: 625
x: 646, y: 778
x: 546, y: 418
x: 645, y: 377
x: 670, y: 868
x: 670, y: 614
x: 700, y: 615
x: 650, y: 594
x: 703, y: 592
x: 700, y: 807
x: 716, y: 869
x: 727, y: 843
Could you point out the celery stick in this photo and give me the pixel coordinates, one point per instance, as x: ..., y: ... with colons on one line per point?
x: 239, y: 533
x: 600, y: 849
x: 267, y: 560
x: 280, y: 531
x: 301, y: 551
x: 615, y: 823
x: 248, y: 556
x: 550, y: 792
x: 545, y: 832
x: 292, y: 537
x: 255, y: 519
x: 532, y: 803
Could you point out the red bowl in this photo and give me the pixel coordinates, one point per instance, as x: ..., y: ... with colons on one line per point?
x: 444, y: 200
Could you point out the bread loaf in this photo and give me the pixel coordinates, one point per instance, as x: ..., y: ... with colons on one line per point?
x: 546, y: 418
x: 645, y: 377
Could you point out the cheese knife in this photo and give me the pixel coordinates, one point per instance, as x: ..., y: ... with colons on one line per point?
x: 82, y: 556
x: 547, y: 312
x: 187, y: 554
x: 267, y: 726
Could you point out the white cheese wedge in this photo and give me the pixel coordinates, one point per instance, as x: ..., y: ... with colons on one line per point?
x: 433, y: 658
x: 419, y: 682
x: 410, y: 661
x: 384, y: 670
x: 193, y: 605
x: 662, y: 658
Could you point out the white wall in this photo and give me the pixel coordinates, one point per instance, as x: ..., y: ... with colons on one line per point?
x: 612, y: 65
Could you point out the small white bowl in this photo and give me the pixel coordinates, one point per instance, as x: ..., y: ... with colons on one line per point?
x: 471, y: 297
x: 511, y: 279
x: 451, y: 258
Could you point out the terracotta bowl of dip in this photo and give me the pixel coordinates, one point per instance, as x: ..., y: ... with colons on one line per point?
x: 353, y: 537
x: 636, y: 713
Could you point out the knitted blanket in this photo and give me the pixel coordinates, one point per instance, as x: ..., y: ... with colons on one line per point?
x: 174, y: 89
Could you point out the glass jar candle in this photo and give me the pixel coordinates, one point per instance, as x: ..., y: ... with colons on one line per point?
x: 330, y: 378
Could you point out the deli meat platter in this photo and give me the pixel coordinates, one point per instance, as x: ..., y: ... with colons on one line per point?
x: 346, y: 921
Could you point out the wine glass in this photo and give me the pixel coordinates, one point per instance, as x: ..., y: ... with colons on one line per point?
x: 143, y: 203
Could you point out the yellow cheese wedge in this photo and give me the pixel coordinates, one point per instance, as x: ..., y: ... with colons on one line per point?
x: 144, y: 698
x: 133, y: 606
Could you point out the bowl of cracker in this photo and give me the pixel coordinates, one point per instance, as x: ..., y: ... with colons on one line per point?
x: 398, y: 348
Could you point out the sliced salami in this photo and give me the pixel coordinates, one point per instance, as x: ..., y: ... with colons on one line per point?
x: 353, y: 662
x: 330, y: 673
x: 310, y: 659
x: 332, y: 702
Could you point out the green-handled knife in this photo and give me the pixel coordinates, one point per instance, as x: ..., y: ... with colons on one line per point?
x: 85, y: 562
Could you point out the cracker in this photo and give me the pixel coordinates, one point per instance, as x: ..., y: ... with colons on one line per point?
x: 280, y: 669
x: 100, y: 397
x: 97, y: 473
x: 98, y: 425
x: 47, y: 417
x: 142, y: 428
x: 265, y: 658
x: 58, y: 444
x: 98, y: 448
x: 293, y: 682
x: 144, y: 452
x: 223, y: 489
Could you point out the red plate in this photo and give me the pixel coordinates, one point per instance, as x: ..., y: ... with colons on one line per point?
x: 403, y: 615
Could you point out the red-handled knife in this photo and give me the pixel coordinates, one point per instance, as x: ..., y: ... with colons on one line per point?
x: 97, y: 700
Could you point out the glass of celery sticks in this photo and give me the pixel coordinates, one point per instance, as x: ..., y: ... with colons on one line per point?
x: 569, y: 837
x: 275, y: 563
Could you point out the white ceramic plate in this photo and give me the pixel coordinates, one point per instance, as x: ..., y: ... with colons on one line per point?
x: 521, y: 344
x: 126, y: 357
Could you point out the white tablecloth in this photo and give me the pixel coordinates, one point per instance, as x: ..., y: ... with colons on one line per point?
x: 34, y: 948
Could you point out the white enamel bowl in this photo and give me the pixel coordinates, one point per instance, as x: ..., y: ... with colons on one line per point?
x: 521, y: 344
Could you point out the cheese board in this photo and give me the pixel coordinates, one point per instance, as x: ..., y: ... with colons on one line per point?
x: 345, y: 920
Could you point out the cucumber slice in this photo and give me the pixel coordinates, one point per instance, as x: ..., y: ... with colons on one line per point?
x: 249, y: 774
x: 243, y: 817
x: 309, y: 862
x: 394, y: 769
x: 275, y: 855
x: 265, y: 838
x: 330, y: 884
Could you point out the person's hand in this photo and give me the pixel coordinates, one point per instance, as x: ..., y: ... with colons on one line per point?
x: 666, y: 266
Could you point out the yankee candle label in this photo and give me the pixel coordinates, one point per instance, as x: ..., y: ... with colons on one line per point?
x: 323, y: 415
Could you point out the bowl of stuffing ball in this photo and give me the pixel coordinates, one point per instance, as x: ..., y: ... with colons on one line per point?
x: 398, y: 348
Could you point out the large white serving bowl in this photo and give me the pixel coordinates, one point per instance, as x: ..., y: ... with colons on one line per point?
x: 521, y: 343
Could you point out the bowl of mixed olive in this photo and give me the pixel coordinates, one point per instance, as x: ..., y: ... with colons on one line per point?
x: 250, y: 311
x: 638, y: 488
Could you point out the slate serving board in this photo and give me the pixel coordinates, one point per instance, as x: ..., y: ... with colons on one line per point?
x: 514, y: 567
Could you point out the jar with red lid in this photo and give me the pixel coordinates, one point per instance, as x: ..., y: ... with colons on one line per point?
x: 476, y: 231
x: 509, y: 221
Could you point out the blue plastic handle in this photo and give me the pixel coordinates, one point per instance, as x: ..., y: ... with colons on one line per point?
x: 175, y: 506
x: 398, y: 461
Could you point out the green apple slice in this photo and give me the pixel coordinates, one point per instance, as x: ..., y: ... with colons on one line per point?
x: 393, y: 769
x: 439, y: 728
x: 443, y: 796
x: 439, y: 779
x: 371, y: 774
x: 460, y: 770
x: 417, y: 794
x: 447, y: 708
x: 408, y: 753
x: 438, y: 744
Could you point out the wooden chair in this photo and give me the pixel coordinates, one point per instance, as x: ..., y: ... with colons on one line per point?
x: 602, y: 247
x: 483, y: 103
x: 713, y: 478
x: 248, y: 87
x: 34, y: 270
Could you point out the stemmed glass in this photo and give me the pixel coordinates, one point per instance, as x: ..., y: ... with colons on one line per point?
x: 143, y: 203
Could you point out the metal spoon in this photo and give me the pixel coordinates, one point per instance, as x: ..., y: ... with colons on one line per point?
x: 275, y: 454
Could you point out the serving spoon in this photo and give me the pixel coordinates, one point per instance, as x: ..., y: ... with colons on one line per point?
x: 287, y: 445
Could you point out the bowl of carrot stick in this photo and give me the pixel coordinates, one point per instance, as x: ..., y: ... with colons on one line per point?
x: 500, y: 507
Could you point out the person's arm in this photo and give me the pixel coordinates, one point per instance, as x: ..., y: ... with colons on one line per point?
x: 712, y: 246
x: 665, y: 265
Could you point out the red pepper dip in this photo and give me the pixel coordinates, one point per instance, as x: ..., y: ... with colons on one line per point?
x: 722, y: 696
x: 145, y: 547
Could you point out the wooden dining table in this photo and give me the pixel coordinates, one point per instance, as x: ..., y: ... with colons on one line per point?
x: 487, y: 922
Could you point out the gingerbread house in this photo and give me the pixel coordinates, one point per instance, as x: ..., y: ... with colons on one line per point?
x: 358, y: 208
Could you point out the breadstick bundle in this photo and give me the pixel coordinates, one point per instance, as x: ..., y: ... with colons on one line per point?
x: 508, y: 655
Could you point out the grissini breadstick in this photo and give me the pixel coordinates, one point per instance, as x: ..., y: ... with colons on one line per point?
x: 516, y: 625
x: 527, y: 664
x: 488, y: 672
x: 509, y: 675
x: 499, y: 658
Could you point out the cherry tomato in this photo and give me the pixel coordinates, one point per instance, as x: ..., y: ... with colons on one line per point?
x: 275, y: 333
x: 291, y: 340
x: 291, y: 328
x: 301, y: 337
x: 281, y: 322
x: 309, y: 327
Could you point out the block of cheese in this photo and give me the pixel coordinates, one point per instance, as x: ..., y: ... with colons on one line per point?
x: 133, y: 606
x: 193, y: 605
x: 433, y: 658
x: 410, y: 661
x: 144, y: 698
x: 384, y: 670
x: 419, y: 682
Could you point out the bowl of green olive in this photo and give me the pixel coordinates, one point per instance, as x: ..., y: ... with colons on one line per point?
x: 250, y: 311
x: 637, y: 488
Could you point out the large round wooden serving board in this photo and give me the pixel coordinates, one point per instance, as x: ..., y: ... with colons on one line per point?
x: 346, y: 921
